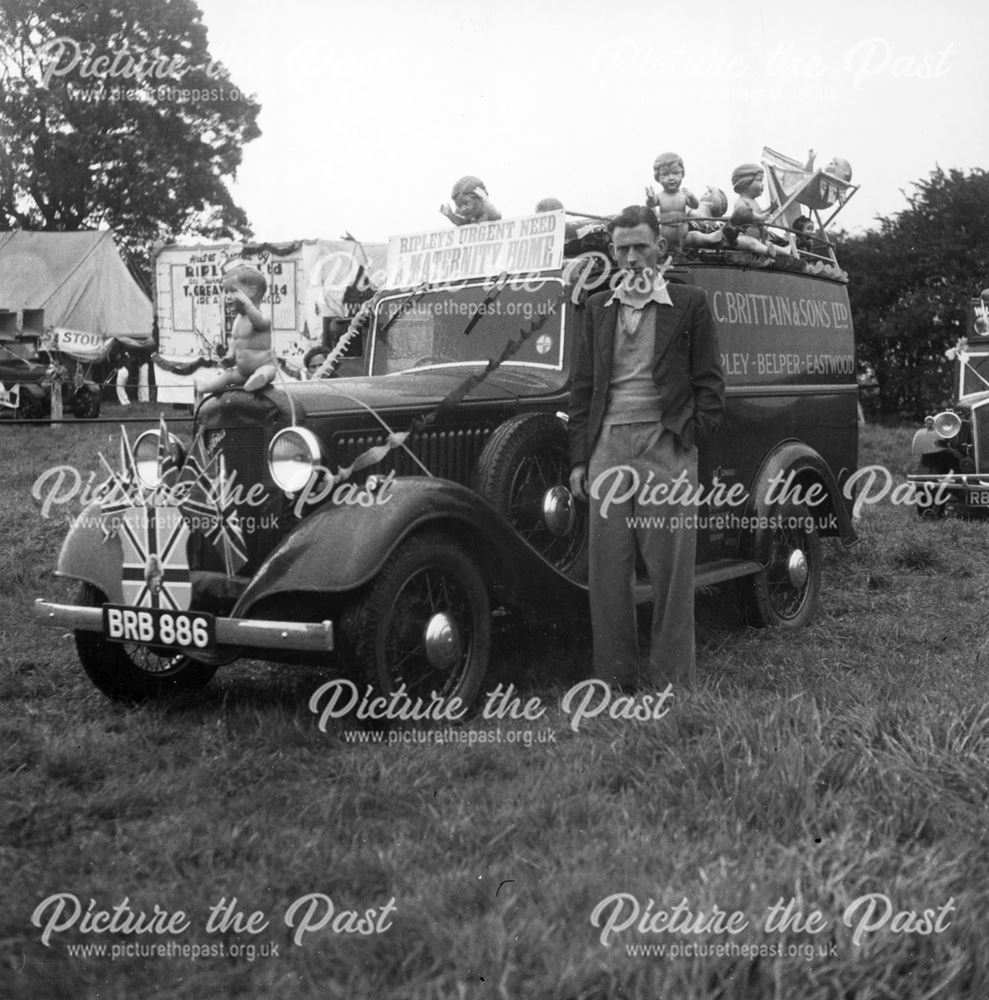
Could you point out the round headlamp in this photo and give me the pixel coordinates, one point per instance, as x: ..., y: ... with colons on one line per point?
x: 947, y: 424
x: 293, y: 456
x: 148, y: 454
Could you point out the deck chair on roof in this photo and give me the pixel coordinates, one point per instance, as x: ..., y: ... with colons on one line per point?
x: 795, y: 189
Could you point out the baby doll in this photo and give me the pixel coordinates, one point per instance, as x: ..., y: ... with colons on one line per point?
x: 747, y: 216
x: 840, y: 168
x: 250, y: 338
x: 470, y: 197
x: 672, y: 202
x: 713, y: 205
x: 570, y: 231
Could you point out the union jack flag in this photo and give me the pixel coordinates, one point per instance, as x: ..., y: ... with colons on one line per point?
x: 122, y: 489
x: 207, y: 501
x: 155, y: 566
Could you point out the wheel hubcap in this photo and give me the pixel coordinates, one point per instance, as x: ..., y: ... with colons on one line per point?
x: 797, y: 569
x: 559, y: 511
x: 442, y: 642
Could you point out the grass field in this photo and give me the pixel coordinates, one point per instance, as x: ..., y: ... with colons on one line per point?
x: 841, y: 770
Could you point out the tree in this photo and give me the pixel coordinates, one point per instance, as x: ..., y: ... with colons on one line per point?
x: 115, y: 113
x: 911, y: 284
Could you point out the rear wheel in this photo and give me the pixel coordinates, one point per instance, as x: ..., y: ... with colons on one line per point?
x: 786, y: 592
x: 133, y: 673
x: 424, y: 622
x: 524, y: 472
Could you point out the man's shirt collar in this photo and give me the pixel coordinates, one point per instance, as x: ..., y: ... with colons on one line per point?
x: 659, y: 293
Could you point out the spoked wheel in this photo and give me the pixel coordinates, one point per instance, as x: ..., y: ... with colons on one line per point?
x: 524, y: 472
x: 131, y: 672
x: 425, y: 622
x: 786, y: 592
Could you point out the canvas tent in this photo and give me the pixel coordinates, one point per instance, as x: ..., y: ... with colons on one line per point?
x: 74, y: 284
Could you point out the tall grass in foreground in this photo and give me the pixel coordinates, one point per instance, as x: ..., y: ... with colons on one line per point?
x: 820, y: 767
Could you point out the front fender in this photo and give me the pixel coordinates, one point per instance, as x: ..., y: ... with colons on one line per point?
x: 926, y: 442
x: 806, y: 466
x: 89, y: 556
x: 340, y: 548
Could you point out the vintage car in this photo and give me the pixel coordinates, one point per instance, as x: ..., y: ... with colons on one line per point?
x: 386, y: 521
x: 26, y: 386
x: 952, y: 448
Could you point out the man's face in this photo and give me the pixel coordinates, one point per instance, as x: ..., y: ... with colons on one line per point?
x: 638, y: 250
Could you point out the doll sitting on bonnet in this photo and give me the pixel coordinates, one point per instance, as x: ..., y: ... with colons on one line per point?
x: 250, y: 338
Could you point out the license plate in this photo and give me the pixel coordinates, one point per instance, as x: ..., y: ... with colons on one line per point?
x: 157, y: 627
x: 978, y: 498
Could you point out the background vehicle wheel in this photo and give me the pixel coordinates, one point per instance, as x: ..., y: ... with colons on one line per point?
x: 127, y: 672
x: 32, y: 406
x: 85, y: 403
x: 425, y: 622
x: 929, y: 467
x: 785, y: 594
x: 524, y: 472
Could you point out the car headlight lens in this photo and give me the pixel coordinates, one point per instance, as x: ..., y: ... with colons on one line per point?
x: 293, y: 456
x: 147, y: 458
x: 947, y: 425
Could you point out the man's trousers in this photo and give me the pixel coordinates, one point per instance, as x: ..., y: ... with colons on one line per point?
x: 645, y: 455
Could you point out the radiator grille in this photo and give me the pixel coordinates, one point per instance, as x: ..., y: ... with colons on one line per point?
x: 449, y: 453
x: 980, y: 436
x: 244, y: 451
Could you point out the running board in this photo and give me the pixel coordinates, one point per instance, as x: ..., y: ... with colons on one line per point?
x: 710, y: 574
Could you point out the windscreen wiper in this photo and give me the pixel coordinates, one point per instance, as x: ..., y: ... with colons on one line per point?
x: 497, y: 287
x: 414, y: 296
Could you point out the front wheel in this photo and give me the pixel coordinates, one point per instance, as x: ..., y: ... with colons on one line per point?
x: 424, y: 622
x: 785, y: 593
x: 85, y: 402
x: 132, y: 673
x: 926, y: 508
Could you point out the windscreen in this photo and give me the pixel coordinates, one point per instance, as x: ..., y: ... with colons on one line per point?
x: 974, y: 374
x: 429, y: 330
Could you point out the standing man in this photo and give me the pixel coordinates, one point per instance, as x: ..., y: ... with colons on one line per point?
x: 647, y: 378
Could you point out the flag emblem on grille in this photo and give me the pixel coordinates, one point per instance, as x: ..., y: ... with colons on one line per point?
x: 155, y: 564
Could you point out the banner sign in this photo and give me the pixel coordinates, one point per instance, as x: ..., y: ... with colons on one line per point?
x: 482, y: 250
x: 79, y: 344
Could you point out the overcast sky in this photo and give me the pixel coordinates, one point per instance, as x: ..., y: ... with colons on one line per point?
x: 372, y: 109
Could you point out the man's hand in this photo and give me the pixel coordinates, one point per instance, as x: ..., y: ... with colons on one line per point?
x: 578, y: 481
x: 650, y: 197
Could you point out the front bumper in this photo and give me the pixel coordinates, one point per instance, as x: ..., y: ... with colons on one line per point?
x: 970, y: 489
x: 231, y: 633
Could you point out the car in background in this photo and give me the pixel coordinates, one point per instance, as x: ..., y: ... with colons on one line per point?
x: 952, y: 448
x: 26, y: 381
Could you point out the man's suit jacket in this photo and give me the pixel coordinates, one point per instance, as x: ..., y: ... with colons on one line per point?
x: 686, y: 369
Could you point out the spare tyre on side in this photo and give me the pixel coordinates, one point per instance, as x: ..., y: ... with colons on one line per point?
x: 524, y: 472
